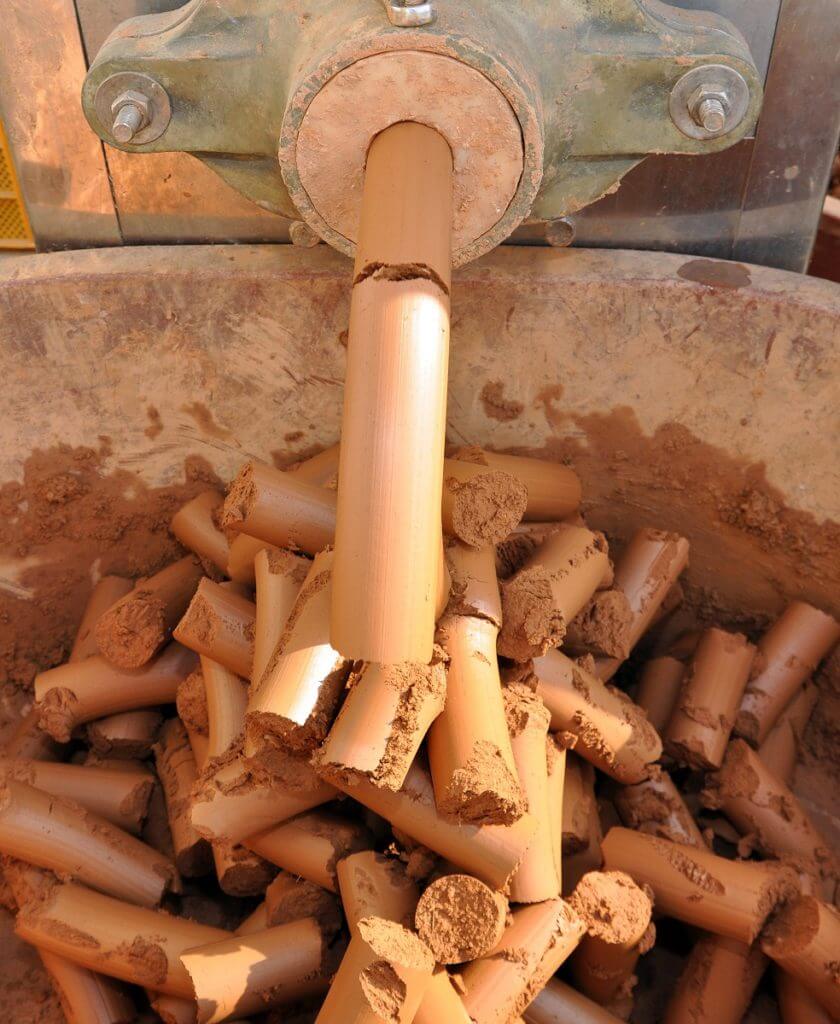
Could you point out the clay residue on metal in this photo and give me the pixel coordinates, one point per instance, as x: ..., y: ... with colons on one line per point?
x: 496, y: 406
x: 716, y: 273
x: 67, y: 514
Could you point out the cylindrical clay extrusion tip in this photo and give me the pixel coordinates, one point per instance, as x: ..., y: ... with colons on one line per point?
x: 219, y: 623
x: 460, y: 918
x: 388, y: 528
x: 480, y: 506
x: 617, y: 915
x: 657, y: 807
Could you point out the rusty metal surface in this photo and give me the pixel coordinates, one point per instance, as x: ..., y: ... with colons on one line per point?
x: 690, y: 394
x: 60, y: 164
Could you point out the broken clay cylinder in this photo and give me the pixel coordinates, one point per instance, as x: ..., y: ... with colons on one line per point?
x: 559, y: 1003
x: 490, y: 852
x: 803, y: 939
x: 481, y: 506
x: 788, y: 653
x: 475, y: 588
x: 384, y: 719
x: 298, y: 695
x: 543, y: 597
x: 227, y: 698
x: 311, y: 845
x: 553, y: 489
x: 611, y: 731
x: 177, y: 772
x: 128, y: 735
x: 470, y: 752
x: 460, y: 918
x: 133, y: 630
x: 104, y: 595
x: 501, y: 984
x: 732, y: 898
x: 590, y: 858
x: 717, y: 983
x: 394, y: 420
x: 537, y: 878
x: 704, y: 714
x: 280, y: 509
x: 119, y: 796
x: 555, y: 754
x: 114, y: 938
x: 382, y: 976
x: 602, y: 627
x: 660, y: 683
x: 656, y: 806
x: 441, y: 1001
x: 780, y: 751
x: 796, y: 1003
x: 290, y: 898
x: 219, y: 624
x: 243, y: 552
x: 617, y: 916
x: 645, y: 573
x: 241, y: 975
x: 578, y: 802
x: 373, y: 885
x: 62, y: 836
x: 79, y: 692
x: 279, y: 575
x: 196, y: 527
x: 762, y: 807
x: 86, y: 997
x: 242, y: 796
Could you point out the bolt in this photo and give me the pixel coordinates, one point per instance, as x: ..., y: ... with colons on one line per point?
x: 711, y: 114
x: 709, y: 107
x: 132, y: 112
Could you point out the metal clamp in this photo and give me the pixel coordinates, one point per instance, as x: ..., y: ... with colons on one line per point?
x: 409, y: 13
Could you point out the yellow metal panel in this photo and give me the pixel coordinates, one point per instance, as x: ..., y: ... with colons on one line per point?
x: 15, y: 232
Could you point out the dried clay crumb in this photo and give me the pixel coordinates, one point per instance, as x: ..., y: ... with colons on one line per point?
x: 531, y: 621
x: 484, y: 791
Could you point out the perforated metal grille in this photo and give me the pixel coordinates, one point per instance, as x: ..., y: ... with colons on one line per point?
x: 15, y: 232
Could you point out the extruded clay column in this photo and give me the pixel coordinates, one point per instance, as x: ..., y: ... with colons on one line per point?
x: 559, y: 1003
x: 656, y: 806
x: 699, y: 727
x: 390, y: 478
x: 804, y: 939
x: 501, y: 984
x: 790, y: 651
x: 718, y: 982
x: 727, y: 897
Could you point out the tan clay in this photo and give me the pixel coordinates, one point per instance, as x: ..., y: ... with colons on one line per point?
x: 219, y: 624
x: 717, y: 983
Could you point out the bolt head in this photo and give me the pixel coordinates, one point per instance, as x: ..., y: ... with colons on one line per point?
x: 136, y: 99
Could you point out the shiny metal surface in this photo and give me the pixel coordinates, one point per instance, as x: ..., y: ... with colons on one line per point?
x: 409, y: 13
x: 796, y: 140
x: 60, y: 164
